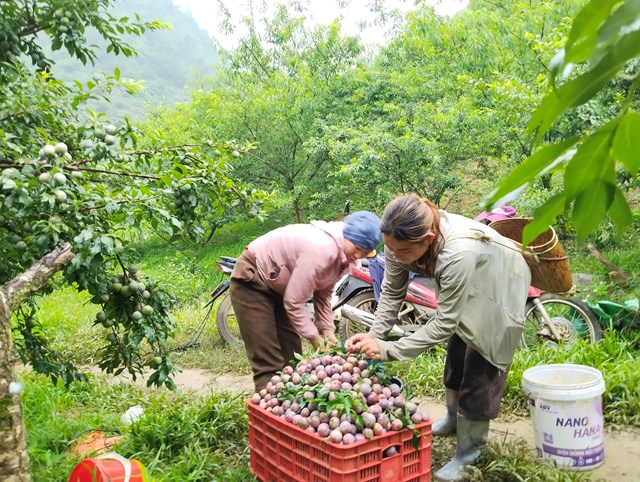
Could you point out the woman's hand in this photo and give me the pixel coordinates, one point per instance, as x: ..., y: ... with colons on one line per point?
x: 324, y: 341
x: 365, y: 345
x: 330, y: 336
x: 356, y: 339
x: 317, y: 342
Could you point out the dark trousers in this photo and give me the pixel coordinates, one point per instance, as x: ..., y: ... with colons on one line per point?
x: 270, y: 340
x: 480, y: 384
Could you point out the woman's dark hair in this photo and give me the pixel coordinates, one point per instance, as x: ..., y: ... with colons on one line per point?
x: 410, y: 218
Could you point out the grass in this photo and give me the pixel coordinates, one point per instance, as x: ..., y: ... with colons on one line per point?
x: 66, y: 319
x: 616, y: 356
x: 512, y: 461
x: 187, y: 438
x: 182, y: 438
x: 620, y: 249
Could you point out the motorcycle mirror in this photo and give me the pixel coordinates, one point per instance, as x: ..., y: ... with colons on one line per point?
x: 347, y: 207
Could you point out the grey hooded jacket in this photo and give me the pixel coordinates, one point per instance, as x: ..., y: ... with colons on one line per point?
x: 482, y: 282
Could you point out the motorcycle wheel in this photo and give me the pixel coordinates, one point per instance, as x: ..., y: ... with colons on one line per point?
x: 571, y: 316
x: 227, y: 323
x: 365, y: 301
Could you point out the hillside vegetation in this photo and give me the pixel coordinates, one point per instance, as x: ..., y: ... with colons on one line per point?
x: 168, y: 62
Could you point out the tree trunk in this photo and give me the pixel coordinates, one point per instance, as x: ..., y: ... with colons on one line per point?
x: 14, y: 461
x: 298, y: 211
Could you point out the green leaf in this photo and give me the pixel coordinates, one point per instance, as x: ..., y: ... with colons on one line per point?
x: 162, y: 376
x: 179, y: 171
x: 582, y: 37
x: 620, y: 212
x: 116, y: 73
x: 153, y: 378
x: 543, y: 217
x: 169, y: 383
x: 626, y: 143
x: 591, y: 206
x: 591, y: 162
x: 584, y: 87
x: 540, y: 162
x: 415, y: 439
x: 622, y: 20
x: 176, y: 222
x: 107, y: 242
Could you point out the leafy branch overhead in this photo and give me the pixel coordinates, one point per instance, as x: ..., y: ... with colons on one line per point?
x: 603, y: 44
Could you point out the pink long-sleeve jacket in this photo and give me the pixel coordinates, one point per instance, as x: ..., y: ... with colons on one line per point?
x: 298, y: 260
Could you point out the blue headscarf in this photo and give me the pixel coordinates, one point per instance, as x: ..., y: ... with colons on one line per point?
x: 362, y: 228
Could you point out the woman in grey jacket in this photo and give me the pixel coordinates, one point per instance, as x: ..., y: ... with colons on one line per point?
x: 481, y: 284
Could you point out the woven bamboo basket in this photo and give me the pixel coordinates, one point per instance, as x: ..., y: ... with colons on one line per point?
x: 545, y: 256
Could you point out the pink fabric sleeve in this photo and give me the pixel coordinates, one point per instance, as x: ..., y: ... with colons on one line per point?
x: 300, y: 286
x: 322, y: 310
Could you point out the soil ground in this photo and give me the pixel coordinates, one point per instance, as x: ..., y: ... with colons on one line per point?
x: 622, y: 447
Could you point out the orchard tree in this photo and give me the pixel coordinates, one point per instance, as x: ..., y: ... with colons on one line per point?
x: 444, y: 106
x: 73, y: 186
x: 271, y: 90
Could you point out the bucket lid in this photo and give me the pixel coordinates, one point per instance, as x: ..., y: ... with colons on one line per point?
x: 563, y: 381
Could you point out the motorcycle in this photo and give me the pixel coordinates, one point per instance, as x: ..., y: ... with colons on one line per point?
x: 549, y: 318
x: 225, y: 317
x: 358, y: 296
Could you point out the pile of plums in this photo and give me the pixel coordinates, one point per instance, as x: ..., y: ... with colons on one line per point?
x: 341, y: 397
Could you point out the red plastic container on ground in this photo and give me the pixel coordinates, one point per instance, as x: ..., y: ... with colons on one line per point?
x: 283, y: 452
x: 109, y: 467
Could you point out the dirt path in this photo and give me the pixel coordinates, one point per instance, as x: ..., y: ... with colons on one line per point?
x: 622, y: 448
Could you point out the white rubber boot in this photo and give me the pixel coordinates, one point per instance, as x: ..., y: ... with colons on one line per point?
x: 448, y: 424
x: 472, y: 438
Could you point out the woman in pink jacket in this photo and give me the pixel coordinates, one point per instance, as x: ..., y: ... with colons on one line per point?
x: 276, y: 274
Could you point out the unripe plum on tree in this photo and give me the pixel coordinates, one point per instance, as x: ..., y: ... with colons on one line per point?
x: 61, y: 196
x: 60, y: 148
x: 59, y: 178
x: 49, y: 150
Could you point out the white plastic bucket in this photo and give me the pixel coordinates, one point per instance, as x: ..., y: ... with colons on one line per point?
x: 565, y: 401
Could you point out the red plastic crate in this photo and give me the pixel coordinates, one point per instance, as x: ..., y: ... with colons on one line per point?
x: 283, y: 452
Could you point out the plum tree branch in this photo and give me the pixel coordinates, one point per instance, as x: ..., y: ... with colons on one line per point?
x: 32, y: 280
x: 12, y: 114
x: 617, y: 275
x: 72, y: 167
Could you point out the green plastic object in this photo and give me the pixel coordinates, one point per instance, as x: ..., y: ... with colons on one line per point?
x: 617, y: 315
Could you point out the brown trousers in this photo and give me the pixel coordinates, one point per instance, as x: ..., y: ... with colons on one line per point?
x: 480, y: 384
x: 269, y: 338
